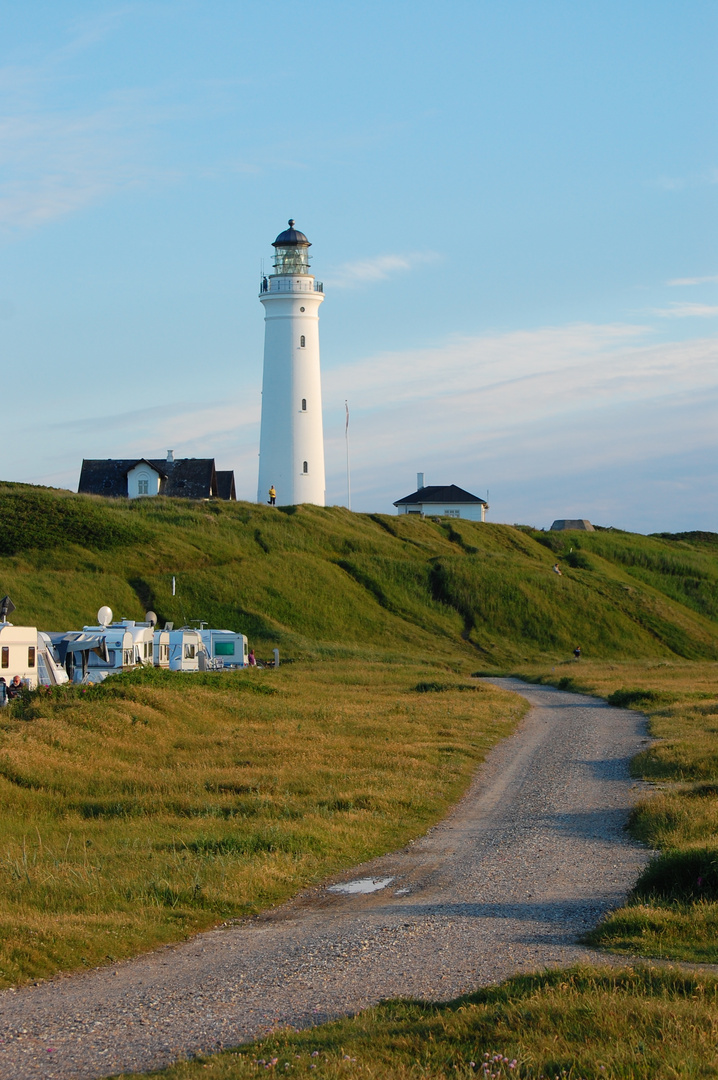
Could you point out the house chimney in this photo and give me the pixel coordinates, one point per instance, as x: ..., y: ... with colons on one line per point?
x: 419, y: 481
x: 170, y: 455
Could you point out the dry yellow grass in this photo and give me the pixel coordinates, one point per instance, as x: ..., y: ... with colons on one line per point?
x: 144, y: 811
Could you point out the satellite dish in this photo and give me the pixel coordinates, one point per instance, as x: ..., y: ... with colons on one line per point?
x: 104, y: 615
x: 151, y: 618
x: 6, y: 606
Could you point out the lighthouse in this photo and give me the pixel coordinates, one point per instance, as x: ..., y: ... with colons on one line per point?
x: 291, y: 442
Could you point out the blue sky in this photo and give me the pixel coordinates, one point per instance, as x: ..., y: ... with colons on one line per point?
x: 512, y: 206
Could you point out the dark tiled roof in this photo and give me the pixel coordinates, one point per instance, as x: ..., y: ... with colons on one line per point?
x: 225, y: 484
x: 437, y: 494
x: 105, y: 477
x: 187, y: 478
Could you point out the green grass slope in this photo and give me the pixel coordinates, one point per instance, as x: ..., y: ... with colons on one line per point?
x: 319, y: 580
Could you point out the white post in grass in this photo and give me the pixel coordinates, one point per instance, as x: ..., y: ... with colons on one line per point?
x: 291, y: 442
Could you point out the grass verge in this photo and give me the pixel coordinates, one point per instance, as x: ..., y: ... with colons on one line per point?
x: 633, y: 1024
x: 673, y: 910
x: 157, y: 804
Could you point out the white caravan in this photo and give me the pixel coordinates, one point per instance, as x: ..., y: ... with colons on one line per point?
x: 129, y: 644
x: 225, y: 648
x: 27, y: 652
x: 187, y: 650
x: 161, y: 649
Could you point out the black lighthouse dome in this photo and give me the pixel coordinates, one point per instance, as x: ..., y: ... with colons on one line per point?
x: 291, y: 237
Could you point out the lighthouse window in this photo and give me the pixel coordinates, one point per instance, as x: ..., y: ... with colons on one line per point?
x: 304, y: 404
x: 143, y: 487
x: 302, y: 341
x: 306, y: 467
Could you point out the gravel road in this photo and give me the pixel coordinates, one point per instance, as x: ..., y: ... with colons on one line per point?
x: 531, y: 857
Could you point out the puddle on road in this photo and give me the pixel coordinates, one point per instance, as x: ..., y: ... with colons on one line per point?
x: 361, y: 885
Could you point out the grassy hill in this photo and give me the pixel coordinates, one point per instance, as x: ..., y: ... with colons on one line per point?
x: 324, y: 581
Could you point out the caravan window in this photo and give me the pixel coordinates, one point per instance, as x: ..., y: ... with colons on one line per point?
x: 5, y: 656
x: 189, y: 652
x: 31, y: 656
x: 224, y: 648
x: 127, y: 657
x: 111, y: 657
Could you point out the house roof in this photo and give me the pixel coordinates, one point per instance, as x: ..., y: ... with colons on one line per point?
x: 187, y: 478
x: 437, y: 494
x: 225, y: 484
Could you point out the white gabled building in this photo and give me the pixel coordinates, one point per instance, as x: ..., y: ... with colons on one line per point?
x: 437, y: 501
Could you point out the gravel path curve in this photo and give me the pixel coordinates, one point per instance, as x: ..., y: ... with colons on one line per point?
x: 530, y: 858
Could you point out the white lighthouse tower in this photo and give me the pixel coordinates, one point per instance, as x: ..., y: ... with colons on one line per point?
x: 291, y: 443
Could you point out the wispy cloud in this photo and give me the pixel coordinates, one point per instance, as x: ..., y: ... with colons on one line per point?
x: 676, y: 310
x: 523, y: 411
x: 679, y: 183
x: 710, y: 279
x: 378, y: 268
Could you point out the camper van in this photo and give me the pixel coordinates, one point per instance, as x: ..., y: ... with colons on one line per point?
x: 27, y: 652
x: 187, y: 650
x: 161, y: 649
x: 225, y: 648
x: 129, y: 644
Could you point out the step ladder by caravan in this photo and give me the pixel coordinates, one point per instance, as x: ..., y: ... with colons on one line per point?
x: 130, y: 643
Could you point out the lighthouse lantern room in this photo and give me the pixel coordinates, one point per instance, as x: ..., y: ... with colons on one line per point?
x: 291, y: 443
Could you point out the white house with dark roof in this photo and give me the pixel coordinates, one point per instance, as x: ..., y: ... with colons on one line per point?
x: 437, y: 501
x: 187, y: 478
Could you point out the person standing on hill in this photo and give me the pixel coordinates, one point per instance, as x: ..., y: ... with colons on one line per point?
x: 577, y: 653
x: 272, y: 496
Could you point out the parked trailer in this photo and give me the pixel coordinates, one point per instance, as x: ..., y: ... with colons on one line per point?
x: 225, y: 648
x: 161, y: 649
x: 187, y: 650
x: 29, y: 653
x: 128, y: 643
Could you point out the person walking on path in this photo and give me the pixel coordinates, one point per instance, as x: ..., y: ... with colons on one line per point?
x: 272, y: 496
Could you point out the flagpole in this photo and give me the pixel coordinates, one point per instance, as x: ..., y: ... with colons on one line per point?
x: 346, y: 436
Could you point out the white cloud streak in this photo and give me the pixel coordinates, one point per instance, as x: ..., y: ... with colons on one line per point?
x: 366, y: 271
x: 677, y: 310
x: 528, y: 410
x: 710, y: 279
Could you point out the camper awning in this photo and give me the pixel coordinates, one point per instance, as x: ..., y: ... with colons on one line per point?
x: 78, y: 643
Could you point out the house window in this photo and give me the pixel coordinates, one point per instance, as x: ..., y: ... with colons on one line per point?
x: 5, y: 656
x: 143, y: 487
x: 305, y: 467
x: 302, y: 341
x: 452, y: 513
x: 304, y: 404
x: 31, y: 656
